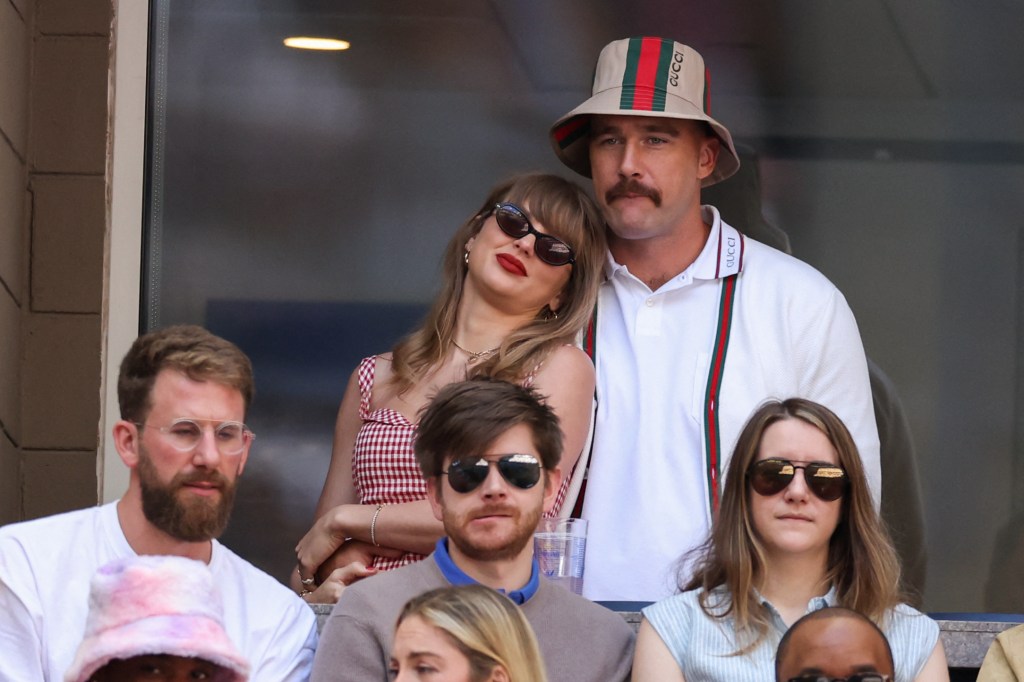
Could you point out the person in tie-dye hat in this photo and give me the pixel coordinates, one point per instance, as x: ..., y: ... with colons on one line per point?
x: 156, y: 618
x: 695, y: 325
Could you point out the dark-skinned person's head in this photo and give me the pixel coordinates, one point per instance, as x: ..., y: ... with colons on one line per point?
x: 834, y: 643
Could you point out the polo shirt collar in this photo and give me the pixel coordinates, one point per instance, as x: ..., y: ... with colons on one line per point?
x: 721, y: 256
x: 456, y: 576
x: 830, y: 598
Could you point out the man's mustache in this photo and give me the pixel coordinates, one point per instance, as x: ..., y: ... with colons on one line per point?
x: 629, y: 186
x: 496, y: 510
x: 214, y: 477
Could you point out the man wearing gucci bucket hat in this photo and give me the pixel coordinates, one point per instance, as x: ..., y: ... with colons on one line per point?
x: 695, y: 326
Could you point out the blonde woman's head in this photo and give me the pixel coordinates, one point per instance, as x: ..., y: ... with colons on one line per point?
x: 468, y: 633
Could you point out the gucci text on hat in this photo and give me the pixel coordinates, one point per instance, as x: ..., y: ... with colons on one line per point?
x: 644, y: 77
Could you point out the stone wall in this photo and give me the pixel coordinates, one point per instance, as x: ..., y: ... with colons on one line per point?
x: 54, y: 66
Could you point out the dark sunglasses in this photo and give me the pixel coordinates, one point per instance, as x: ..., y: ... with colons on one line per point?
x: 514, y: 223
x: 771, y: 476
x: 858, y: 677
x: 466, y: 475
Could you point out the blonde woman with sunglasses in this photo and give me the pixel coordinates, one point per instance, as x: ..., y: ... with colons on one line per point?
x: 519, y: 283
x: 468, y: 633
x: 796, y: 531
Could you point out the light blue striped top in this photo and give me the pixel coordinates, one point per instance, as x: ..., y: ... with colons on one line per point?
x: 702, y: 645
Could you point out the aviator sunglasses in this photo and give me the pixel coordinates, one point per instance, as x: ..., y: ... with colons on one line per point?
x: 466, y: 475
x: 771, y: 476
x: 857, y: 677
x: 514, y: 223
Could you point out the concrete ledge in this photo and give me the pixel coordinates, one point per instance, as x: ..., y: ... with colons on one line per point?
x: 321, y: 611
x: 967, y: 641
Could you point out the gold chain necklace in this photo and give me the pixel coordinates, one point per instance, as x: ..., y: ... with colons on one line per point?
x: 474, y: 356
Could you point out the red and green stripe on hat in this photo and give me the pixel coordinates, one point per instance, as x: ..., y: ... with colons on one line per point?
x: 646, y: 78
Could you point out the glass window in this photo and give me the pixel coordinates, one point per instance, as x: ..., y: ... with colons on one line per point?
x: 299, y: 202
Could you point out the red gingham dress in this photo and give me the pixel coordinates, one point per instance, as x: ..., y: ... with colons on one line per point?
x: 384, y: 468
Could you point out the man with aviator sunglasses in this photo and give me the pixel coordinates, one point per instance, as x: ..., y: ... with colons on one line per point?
x: 489, y: 451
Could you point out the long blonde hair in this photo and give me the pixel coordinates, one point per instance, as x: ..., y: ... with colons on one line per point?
x: 485, y: 626
x: 862, y: 563
x: 566, y: 212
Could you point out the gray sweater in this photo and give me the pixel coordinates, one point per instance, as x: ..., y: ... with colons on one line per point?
x: 580, y: 640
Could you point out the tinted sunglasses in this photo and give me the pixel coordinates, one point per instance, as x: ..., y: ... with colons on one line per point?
x: 858, y: 677
x: 514, y: 223
x: 771, y: 476
x: 466, y: 475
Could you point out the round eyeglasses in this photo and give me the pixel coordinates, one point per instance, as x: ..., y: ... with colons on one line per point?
x: 185, y: 435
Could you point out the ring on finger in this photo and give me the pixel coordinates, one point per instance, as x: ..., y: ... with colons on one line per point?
x: 306, y: 582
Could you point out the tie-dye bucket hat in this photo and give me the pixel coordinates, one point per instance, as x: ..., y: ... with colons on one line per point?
x: 153, y: 605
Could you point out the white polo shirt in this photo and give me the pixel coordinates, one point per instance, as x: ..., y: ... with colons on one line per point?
x: 792, y: 335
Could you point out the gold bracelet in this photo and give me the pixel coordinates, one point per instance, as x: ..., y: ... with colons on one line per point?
x: 373, y: 524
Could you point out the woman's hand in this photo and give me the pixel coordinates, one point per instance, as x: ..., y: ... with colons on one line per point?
x: 329, y: 591
x: 326, y: 536
x: 352, y: 552
x: 351, y: 562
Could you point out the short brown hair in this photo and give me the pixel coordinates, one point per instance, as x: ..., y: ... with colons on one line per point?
x: 466, y: 416
x: 189, y: 349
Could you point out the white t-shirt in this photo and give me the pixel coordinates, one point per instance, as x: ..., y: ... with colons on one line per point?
x: 45, y: 569
x: 792, y: 335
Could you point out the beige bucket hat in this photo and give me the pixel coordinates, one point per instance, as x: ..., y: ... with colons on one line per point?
x: 644, y: 77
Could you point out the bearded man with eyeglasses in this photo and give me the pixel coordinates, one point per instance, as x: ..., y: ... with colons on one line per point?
x: 489, y: 451
x: 183, y: 394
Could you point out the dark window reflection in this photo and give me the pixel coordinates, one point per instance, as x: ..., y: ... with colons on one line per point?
x: 299, y: 202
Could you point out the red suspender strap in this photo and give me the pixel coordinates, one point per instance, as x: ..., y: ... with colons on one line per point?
x: 730, y: 257
x: 590, y: 337
x: 712, y: 438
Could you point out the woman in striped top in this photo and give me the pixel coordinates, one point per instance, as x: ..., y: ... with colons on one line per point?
x: 796, y: 531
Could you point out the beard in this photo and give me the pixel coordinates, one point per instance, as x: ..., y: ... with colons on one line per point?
x: 195, y: 519
x: 481, y: 546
